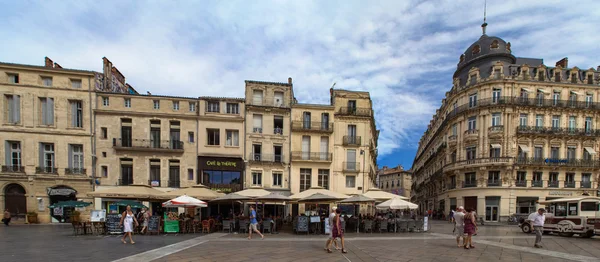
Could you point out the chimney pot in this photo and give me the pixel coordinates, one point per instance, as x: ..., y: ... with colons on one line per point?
x: 48, y: 62
x: 564, y: 63
x: 289, y: 80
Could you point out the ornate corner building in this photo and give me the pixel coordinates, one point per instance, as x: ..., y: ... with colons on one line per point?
x: 511, y: 132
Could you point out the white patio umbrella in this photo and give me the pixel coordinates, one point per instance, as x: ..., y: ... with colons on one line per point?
x: 184, y: 201
x: 397, y: 203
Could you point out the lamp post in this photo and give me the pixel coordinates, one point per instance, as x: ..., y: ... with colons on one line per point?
x: 362, y: 153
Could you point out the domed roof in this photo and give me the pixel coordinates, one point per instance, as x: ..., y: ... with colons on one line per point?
x: 486, y: 45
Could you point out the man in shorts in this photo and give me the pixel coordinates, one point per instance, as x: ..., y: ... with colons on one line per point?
x: 331, y: 239
x: 459, y: 225
x: 253, y: 224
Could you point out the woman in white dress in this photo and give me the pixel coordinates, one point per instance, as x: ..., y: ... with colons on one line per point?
x: 127, y: 220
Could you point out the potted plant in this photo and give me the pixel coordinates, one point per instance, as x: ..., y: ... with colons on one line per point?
x: 75, y: 216
x: 32, y: 217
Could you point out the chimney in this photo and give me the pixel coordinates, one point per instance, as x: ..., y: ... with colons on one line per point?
x: 289, y: 80
x: 48, y: 62
x: 564, y: 63
x: 56, y: 65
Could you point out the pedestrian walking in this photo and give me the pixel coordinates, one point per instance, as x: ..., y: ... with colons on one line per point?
x: 331, y: 239
x: 451, y: 216
x: 459, y: 226
x: 145, y: 220
x: 6, y: 218
x: 538, y: 226
x: 470, y: 228
x: 338, y: 231
x: 253, y: 224
x: 127, y: 221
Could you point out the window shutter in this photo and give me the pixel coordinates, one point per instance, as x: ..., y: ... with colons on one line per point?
x: 7, y: 154
x: 50, y: 111
x: 73, y: 114
x: 16, y: 109
x: 41, y: 163
x: 43, y: 109
x: 70, y: 156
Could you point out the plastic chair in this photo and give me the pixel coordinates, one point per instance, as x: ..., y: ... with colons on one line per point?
x: 76, y: 227
x: 383, y: 226
x: 411, y: 225
x: 368, y: 226
x: 402, y: 226
x: 205, y: 226
x: 244, y: 226
x: 266, y: 226
x: 419, y: 226
x: 227, y: 226
x: 295, y: 225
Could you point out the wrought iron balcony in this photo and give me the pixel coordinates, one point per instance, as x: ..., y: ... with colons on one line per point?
x: 351, y: 166
x: 13, y: 169
x: 494, y: 182
x: 569, y: 184
x: 496, y: 129
x: 521, y: 183
x: 321, y: 127
x: 480, y: 161
x: 125, y: 181
x: 537, y: 183
x: 174, y: 183
x: 553, y: 184
x: 355, y: 111
x: 46, y: 170
x: 471, y: 132
x: 75, y: 171
x: 311, y: 156
x: 257, y: 130
x: 585, y: 184
x: 557, y: 162
x: 278, y: 131
x: 266, y: 158
x: 469, y: 184
x: 558, y: 131
x: 148, y: 145
x: 352, y: 141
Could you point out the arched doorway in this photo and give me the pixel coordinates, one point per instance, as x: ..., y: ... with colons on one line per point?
x: 61, y: 193
x: 15, y: 201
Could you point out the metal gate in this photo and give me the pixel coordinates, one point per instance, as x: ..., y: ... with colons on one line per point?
x: 15, y: 201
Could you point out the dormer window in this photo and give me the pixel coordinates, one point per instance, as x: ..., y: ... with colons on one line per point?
x: 494, y: 44
x: 476, y: 49
x: 557, y: 77
x: 542, y: 75
x: 13, y: 78
x: 574, y: 78
x: 590, y: 79
x: 473, y: 79
x: 462, y: 58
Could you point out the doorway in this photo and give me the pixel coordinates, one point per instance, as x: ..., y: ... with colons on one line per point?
x: 15, y: 201
x: 58, y: 194
x: 470, y: 202
x: 492, y: 207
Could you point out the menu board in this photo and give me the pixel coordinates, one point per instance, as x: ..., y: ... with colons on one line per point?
x: 302, y: 224
x: 98, y: 215
x: 315, y: 219
x: 154, y: 224
x: 112, y: 224
x: 171, y: 223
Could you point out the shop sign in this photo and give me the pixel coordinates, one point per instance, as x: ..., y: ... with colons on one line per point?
x: 155, y: 183
x: 556, y: 161
x: 560, y: 193
x: 220, y: 163
x: 61, y: 191
x: 225, y: 188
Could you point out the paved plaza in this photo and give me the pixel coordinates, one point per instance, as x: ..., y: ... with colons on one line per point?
x: 494, y: 243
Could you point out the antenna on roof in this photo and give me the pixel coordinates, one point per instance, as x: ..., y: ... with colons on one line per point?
x: 332, y: 86
x: 484, y: 25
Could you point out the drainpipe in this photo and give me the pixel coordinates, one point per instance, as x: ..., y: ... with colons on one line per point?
x: 245, y: 147
x: 198, y: 179
x: 92, y: 134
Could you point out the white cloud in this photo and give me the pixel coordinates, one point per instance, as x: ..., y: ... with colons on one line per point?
x: 403, y: 52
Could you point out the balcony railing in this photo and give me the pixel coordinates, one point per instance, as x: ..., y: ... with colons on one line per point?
x: 476, y: 161
x: 13, y: 169
x: 174, y: 183
x: 494, y: 182
x: 352, y: 140
x: 351, y: 166
x: 521, y: 183
x: 537, y: 183
x: 257, y: 130
x: 125, y: 181
x: 496, y: 129
x: 469, y: 184
x: 557, y: 162
x: 471, y: 132
x: 559, y: 131
x: 569, y: 184
x: 355, y: 111
x: 148, y: 144
x: 266, y: 158
x: 75, y: 171
x: 278, y: 131
x: 46, y: 170
x: 452, y: 138
x: 553, y: 184
x: 311, y: 156
x: 324, y: 127
x: 586, y: 184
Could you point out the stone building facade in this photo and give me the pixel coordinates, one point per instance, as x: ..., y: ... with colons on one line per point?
x: 511, y: 132
x: 395, y: 180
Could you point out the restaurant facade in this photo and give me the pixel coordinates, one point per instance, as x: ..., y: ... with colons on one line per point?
x: 223, y: 174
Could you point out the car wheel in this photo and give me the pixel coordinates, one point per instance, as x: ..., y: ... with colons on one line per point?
x: 588, y: 234
x: 565, y: 234
x: 526, y: 228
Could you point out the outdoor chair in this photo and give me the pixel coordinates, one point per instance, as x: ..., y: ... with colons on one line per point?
x: 98, y: 228
x: 77, y: 228
x: 411, y: 225
x: 227, y: 226
x: 343, y: 225
x: 419, y: 225
x: 266, y: 226
x: 189, y: 225
x: 383, y: 226
x: 244, y: 226
x: 295, y: 225
x: 368, y: 226
x: 87, y: 227
x: 402, y: 226
x: 205, y: 226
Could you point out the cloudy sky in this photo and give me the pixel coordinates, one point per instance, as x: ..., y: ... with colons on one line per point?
x: 403, y: 52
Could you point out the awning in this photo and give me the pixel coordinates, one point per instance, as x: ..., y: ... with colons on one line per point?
x: 590, y: 150
x: 524, y: 148
x: 577, y: 93
x: 526, y: 90
x: 543, y: 91
x: 496, y: 145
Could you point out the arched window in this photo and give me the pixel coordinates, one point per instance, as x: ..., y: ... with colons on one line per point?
x: 476, y: 49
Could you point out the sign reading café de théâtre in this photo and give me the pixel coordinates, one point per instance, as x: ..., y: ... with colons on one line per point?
x: 221, y: 163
